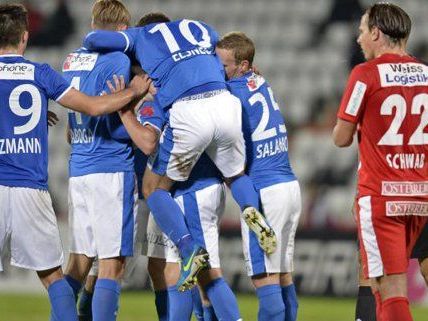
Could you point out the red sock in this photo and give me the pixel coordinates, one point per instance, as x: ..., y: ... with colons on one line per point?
x: 396, y: 309
x: 378, y: 306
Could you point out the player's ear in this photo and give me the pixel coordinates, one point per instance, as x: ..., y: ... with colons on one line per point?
x: 375, y: 33
x: 122, y: 27
x: 245, y: 66
x: 24, y: 38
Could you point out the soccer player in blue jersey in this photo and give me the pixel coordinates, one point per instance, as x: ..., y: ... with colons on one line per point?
x: 179, y: 57
x: 202, y: 200
x: 27, y: 220
x: 269, y: 168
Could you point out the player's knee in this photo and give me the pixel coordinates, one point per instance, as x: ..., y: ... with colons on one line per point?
x: 424, y: 269
x: 207, y: 276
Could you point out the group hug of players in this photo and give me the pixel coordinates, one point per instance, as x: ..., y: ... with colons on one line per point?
x: 204, y: 119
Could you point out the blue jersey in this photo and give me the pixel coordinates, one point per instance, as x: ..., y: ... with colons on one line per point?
x: 204, y: 174
x: 98, y: 144
x: 179, y: 56
x: 25, y: 88
x: 264, y: 131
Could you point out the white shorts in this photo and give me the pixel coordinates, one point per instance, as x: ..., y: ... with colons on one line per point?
x: 281, y: 204
x: 102, y: 214
x: 208, y: 124
x: 203, y: 210
x: 28, y: 222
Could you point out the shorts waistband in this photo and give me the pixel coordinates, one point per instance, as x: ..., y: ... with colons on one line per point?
x: 203, y: 95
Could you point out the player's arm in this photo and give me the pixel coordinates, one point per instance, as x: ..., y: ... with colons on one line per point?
x: 343, y: 133
x: 108, y: 41
x: 145, y: 137
x: 351, y: 107
x: 99, y: 105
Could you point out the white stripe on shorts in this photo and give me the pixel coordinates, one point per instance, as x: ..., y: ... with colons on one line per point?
x: 374, y: 259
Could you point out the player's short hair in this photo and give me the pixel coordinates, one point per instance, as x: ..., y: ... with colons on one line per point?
x: 152, y: 17
x: 242, y: 46
x: 393, y: 21
x: 13, y: 23
x: 109, y: 14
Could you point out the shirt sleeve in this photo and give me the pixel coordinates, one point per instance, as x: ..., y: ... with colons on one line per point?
x: 53, y: 83
x: 150, y: 113
x: 354, y: 98
x: 108, y: 41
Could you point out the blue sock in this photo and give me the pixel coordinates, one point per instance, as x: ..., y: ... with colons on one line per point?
x: 223, y: 300
x: 62, y: 301
x: 271, y: 306
x: 85, y: 305
x: 290, y: 300
x: 209, y: 313
x: 170, y: 219
x: 105, y: 302
x: 180, y: 305
x: 244, y: 193
x: 161, y: 302
x: 198, y: 311
x: 75, y: 285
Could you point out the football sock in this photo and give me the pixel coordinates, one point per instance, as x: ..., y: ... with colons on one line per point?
x: 85, y: 306
x: 396, y: 309
x: 197, y: 304
x: 271, y: 305
x: 289, y: 298
x: 180, y: 305
x: 161, y: 302
x: 223, y: 300
x: 365, y: 309
x: 75, y: 285
x: 105, y: 302
x: 62, y: 301
x: 209, y: 313
x: 170, y: 219
x: 244, y: 193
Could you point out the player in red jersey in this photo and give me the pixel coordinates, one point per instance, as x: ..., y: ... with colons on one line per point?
x: 386, y: 103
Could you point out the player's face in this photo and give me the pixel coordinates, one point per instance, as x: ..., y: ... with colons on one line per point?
x: 365, y: 38
x: 228, y: 60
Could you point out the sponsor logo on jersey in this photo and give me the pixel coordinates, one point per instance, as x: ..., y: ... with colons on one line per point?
x: 406, y: 74
x: 356, y: 98
x: 254, y: 82
x: 79, y: 62
x: 19, y: 71
x: 405, y: 188
x: 400, y: 208
x: 20, y: 146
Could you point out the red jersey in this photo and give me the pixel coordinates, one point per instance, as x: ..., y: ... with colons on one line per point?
x: 388, y: 98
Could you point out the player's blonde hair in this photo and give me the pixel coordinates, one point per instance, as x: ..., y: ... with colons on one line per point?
x: 242, y: 46
x: 109, y: 14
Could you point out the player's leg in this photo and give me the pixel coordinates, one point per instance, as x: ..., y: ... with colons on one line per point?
x: 423, y: 264
x: 385, y: 242
x: 113, y: 209
x: 289, y: 296
x: 227, y: 151
x: 36, y: 245
x: 420, y: 252
x: 203, y: 210
x: 198, y: 307
x: 365, y: 309
x: 84, y: 307
x: 77, y: 269
x: 170, y: 304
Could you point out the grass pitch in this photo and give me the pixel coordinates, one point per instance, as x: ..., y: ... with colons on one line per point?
x: 139, y: 306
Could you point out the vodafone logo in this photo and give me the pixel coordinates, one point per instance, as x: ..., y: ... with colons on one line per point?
x: 20, y: 71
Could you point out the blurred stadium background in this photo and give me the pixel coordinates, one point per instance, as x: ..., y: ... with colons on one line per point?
x: 305, y: 48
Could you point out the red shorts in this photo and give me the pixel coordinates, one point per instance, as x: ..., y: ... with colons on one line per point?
x: 387, y: 230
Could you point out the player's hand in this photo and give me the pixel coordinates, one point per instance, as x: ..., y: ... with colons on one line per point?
x: 52, y: 118
x: 140, y: 84
x: 119, y: 84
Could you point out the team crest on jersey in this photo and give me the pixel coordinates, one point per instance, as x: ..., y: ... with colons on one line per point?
x: 147, y: 111
x: 20, y: 71
x: 79, y: 62
x: 254, y: 82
